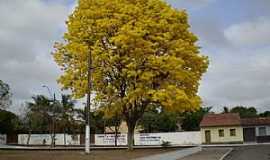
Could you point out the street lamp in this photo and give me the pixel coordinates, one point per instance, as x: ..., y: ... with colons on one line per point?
x: 53, y: 125
x: 88, y: 104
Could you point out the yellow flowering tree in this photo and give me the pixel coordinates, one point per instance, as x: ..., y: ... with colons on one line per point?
x: 143, y: 55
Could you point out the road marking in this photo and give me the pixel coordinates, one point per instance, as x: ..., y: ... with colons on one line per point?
x: 226, y: 154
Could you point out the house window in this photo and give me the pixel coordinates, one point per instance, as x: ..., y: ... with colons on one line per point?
x: 232, y: 132
x: 262, y: 131
x: 221, y: 133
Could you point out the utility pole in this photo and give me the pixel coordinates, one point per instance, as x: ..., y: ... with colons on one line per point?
x: 88, y: 105
x: 53, y: 119
x: 53, y: 115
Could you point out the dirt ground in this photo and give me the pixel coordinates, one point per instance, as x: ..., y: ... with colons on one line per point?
x: 79, y: 155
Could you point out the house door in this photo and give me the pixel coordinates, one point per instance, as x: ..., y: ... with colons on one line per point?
x: 208, y: 137
x: 249, y: 134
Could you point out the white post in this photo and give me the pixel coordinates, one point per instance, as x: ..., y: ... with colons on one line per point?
x: 87, y: 139
x: 88, y: 106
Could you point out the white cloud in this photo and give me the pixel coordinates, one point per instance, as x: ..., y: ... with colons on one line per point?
x: 190, y: 4
x: 238, y: 79
x: 28, y: 30
x: 249, y: 33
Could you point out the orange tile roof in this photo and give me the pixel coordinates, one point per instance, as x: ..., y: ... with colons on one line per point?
x: 255, y: 121
x: 226, y: 119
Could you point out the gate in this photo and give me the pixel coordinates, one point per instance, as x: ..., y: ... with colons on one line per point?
x: 249, y: 134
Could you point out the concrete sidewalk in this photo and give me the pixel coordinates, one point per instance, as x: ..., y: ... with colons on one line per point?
x: 234, y: 145
x: 174, y: 155
x: 14, y: 147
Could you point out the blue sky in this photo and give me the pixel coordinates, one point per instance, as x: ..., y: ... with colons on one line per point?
x: 234, y: 34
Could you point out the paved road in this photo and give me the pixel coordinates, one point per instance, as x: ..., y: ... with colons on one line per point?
x: 207, y: 154
x: 250, y: 153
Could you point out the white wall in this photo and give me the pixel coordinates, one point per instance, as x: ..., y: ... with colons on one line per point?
x: 109, y: 139
x: 37, y: 139
x: 3, y: 139
x: 175, y: 138
x: 267, y: 130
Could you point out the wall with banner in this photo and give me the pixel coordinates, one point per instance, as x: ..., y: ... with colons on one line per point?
x: 175, y: 138
x: 45, y: 139
x: 109, y: 139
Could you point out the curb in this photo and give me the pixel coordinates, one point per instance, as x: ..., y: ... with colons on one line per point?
x: 25, y: 148
x: 174, y: 155
x: 226, y: 154
x: 234, y: 145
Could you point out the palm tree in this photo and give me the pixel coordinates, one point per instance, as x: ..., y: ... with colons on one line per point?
x: 37, y: 117
x: 67, y: 114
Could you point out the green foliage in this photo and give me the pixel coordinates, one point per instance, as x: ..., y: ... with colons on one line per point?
x: 42, y: 112
x: 9, y: 122
x: 265, y: 114
x: 38, y: 118
x: 154, y: 120
x: 169, y: 122
x: 114, y: 121
x: 97, y: 122
x: 245, y: 112
x: 191, y: 120
x: 5, y: 95
x: 66, y: 114
x: 150, y: 121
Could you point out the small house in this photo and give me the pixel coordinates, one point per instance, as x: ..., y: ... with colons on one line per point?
x: 221, y: 128
x: 256, y: 129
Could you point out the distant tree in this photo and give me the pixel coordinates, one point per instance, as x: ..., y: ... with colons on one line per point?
x: 191, y: 120
x: 9, y: 122
x: 168, y: 121
x: 150, y: 121
x: 38, y: 118
x: 115, y: 122
x: 5, y: 95
x: 66, y: 115
x: 245, y: 112
x: 226, y: 109
x: 96, y: 120
x: 155, y: 120
x: 265, y: 114
x: 39, y: 114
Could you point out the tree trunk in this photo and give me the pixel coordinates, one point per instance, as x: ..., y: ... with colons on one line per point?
x: 65, y: 141
x: 52, y: 140
x: 131, y: 128
x: 28, y: 138
x: 115, y: 135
